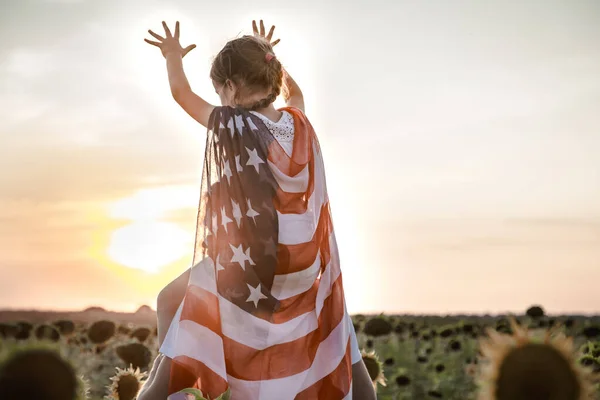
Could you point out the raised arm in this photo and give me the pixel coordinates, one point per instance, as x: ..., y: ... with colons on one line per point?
x: 294, y: 96
x: 194, y: 105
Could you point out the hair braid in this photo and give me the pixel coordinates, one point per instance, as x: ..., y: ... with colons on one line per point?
x: 275, y: 73
x: 244, y: 61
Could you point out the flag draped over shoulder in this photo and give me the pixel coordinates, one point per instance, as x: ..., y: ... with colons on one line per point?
x: 264, y: 313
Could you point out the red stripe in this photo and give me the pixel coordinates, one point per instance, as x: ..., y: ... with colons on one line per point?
x: 302, y: 151
x: 334, y: 386
x: 302, y: 155
x: 188, y: 372
x: 247, y: 363
x: 202, y: 306
x: 298, y: 257
x: 297, y: 305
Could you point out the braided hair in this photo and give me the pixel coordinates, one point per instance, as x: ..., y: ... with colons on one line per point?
x: 245, y: 62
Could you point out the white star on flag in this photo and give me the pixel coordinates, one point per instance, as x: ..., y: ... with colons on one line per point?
x: 225, y: 219
x: 251, y: 213
x: 238, y: 166
x: 247, y: 253
x: 231, y: 127
x: 218, y: 264
x: 251, y: 124
x: 237, y: 213
x: 239, y: 123
x: 238, y: 256
x: 227, y: 170
x: 254, y: 159
x: 215, y: 223
x: 255, y: 294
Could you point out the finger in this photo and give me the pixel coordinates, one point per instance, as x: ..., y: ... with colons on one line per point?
x: 262, y: 28
x: 167, y: 31
x: 152, y: 42
x: 270, y: 35
x: 254, y: 28
x: 275, y: 42
x: 188, y: 49
x: 155, y: 35
x: 177, y: 30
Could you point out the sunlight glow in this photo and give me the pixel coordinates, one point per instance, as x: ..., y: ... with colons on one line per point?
x: 149, y: 245
x: 153, y: 203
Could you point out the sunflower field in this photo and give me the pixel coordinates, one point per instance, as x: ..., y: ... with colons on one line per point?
x: 407, y: 356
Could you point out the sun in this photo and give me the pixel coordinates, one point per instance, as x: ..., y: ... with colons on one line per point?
x: 149, y: 245
x: 150, y: 240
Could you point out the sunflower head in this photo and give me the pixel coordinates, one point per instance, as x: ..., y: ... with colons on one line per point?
x: 125, y: 384
x: 374, y: 367
x: 521, y: 366
x: 31, y: 373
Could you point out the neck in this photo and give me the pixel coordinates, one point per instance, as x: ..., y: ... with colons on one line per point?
x: 270, y: 112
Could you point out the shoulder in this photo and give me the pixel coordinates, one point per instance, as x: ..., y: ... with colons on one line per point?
x: 220, y: 114
x: 296, y: 112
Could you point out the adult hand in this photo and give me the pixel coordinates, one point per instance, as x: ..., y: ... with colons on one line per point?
x: 170, y: 43
x: 261, y: 33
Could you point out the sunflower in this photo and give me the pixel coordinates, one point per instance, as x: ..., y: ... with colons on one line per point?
x: 526, y: 366
x: 125, y: 384
x: 374, y: 367
x: 44, y: 366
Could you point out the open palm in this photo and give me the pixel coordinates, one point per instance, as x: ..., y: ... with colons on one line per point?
x: 261, y: 33
x: 170, y: 43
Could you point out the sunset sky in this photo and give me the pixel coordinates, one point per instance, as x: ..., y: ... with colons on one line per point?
x: 461, y: 143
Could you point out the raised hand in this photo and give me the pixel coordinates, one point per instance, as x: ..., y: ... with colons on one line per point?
x: 261, y: 33
x: 170, y: 43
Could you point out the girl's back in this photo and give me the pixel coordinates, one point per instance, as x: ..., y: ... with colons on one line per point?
x: 263, y: 313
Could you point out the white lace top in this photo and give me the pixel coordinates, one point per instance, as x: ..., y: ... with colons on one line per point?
x: 282, y: 130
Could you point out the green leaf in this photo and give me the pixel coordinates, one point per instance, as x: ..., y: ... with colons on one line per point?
x: 200, y: 396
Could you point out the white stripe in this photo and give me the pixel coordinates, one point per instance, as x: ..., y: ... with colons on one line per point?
x: 291, y: 184
x: 356, y: 356
x: 292, y: 284
x: 300, y: 228
x: 185, y: 340
x: 328, y: 356
x: 255, y: 332
x: 329, y: 275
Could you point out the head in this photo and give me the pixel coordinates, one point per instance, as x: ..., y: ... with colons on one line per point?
x: 243, y: 77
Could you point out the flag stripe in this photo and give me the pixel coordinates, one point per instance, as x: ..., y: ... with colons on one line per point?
x: 187, y: 372
x: 328, y: 357
x: 295, y: 283
x: 291, y: 184
x: 334, y: 386
x: 289, y: 323
x: 200, y: 343
x: 302, y: 151
x: 246, y: 362
x: 297, y: 257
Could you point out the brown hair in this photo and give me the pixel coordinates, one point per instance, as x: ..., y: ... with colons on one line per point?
x: 243, y: 61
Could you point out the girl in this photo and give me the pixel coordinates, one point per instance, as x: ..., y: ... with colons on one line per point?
x: 261, y: 314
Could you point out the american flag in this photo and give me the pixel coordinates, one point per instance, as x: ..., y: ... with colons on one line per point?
x: 264, y: 314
